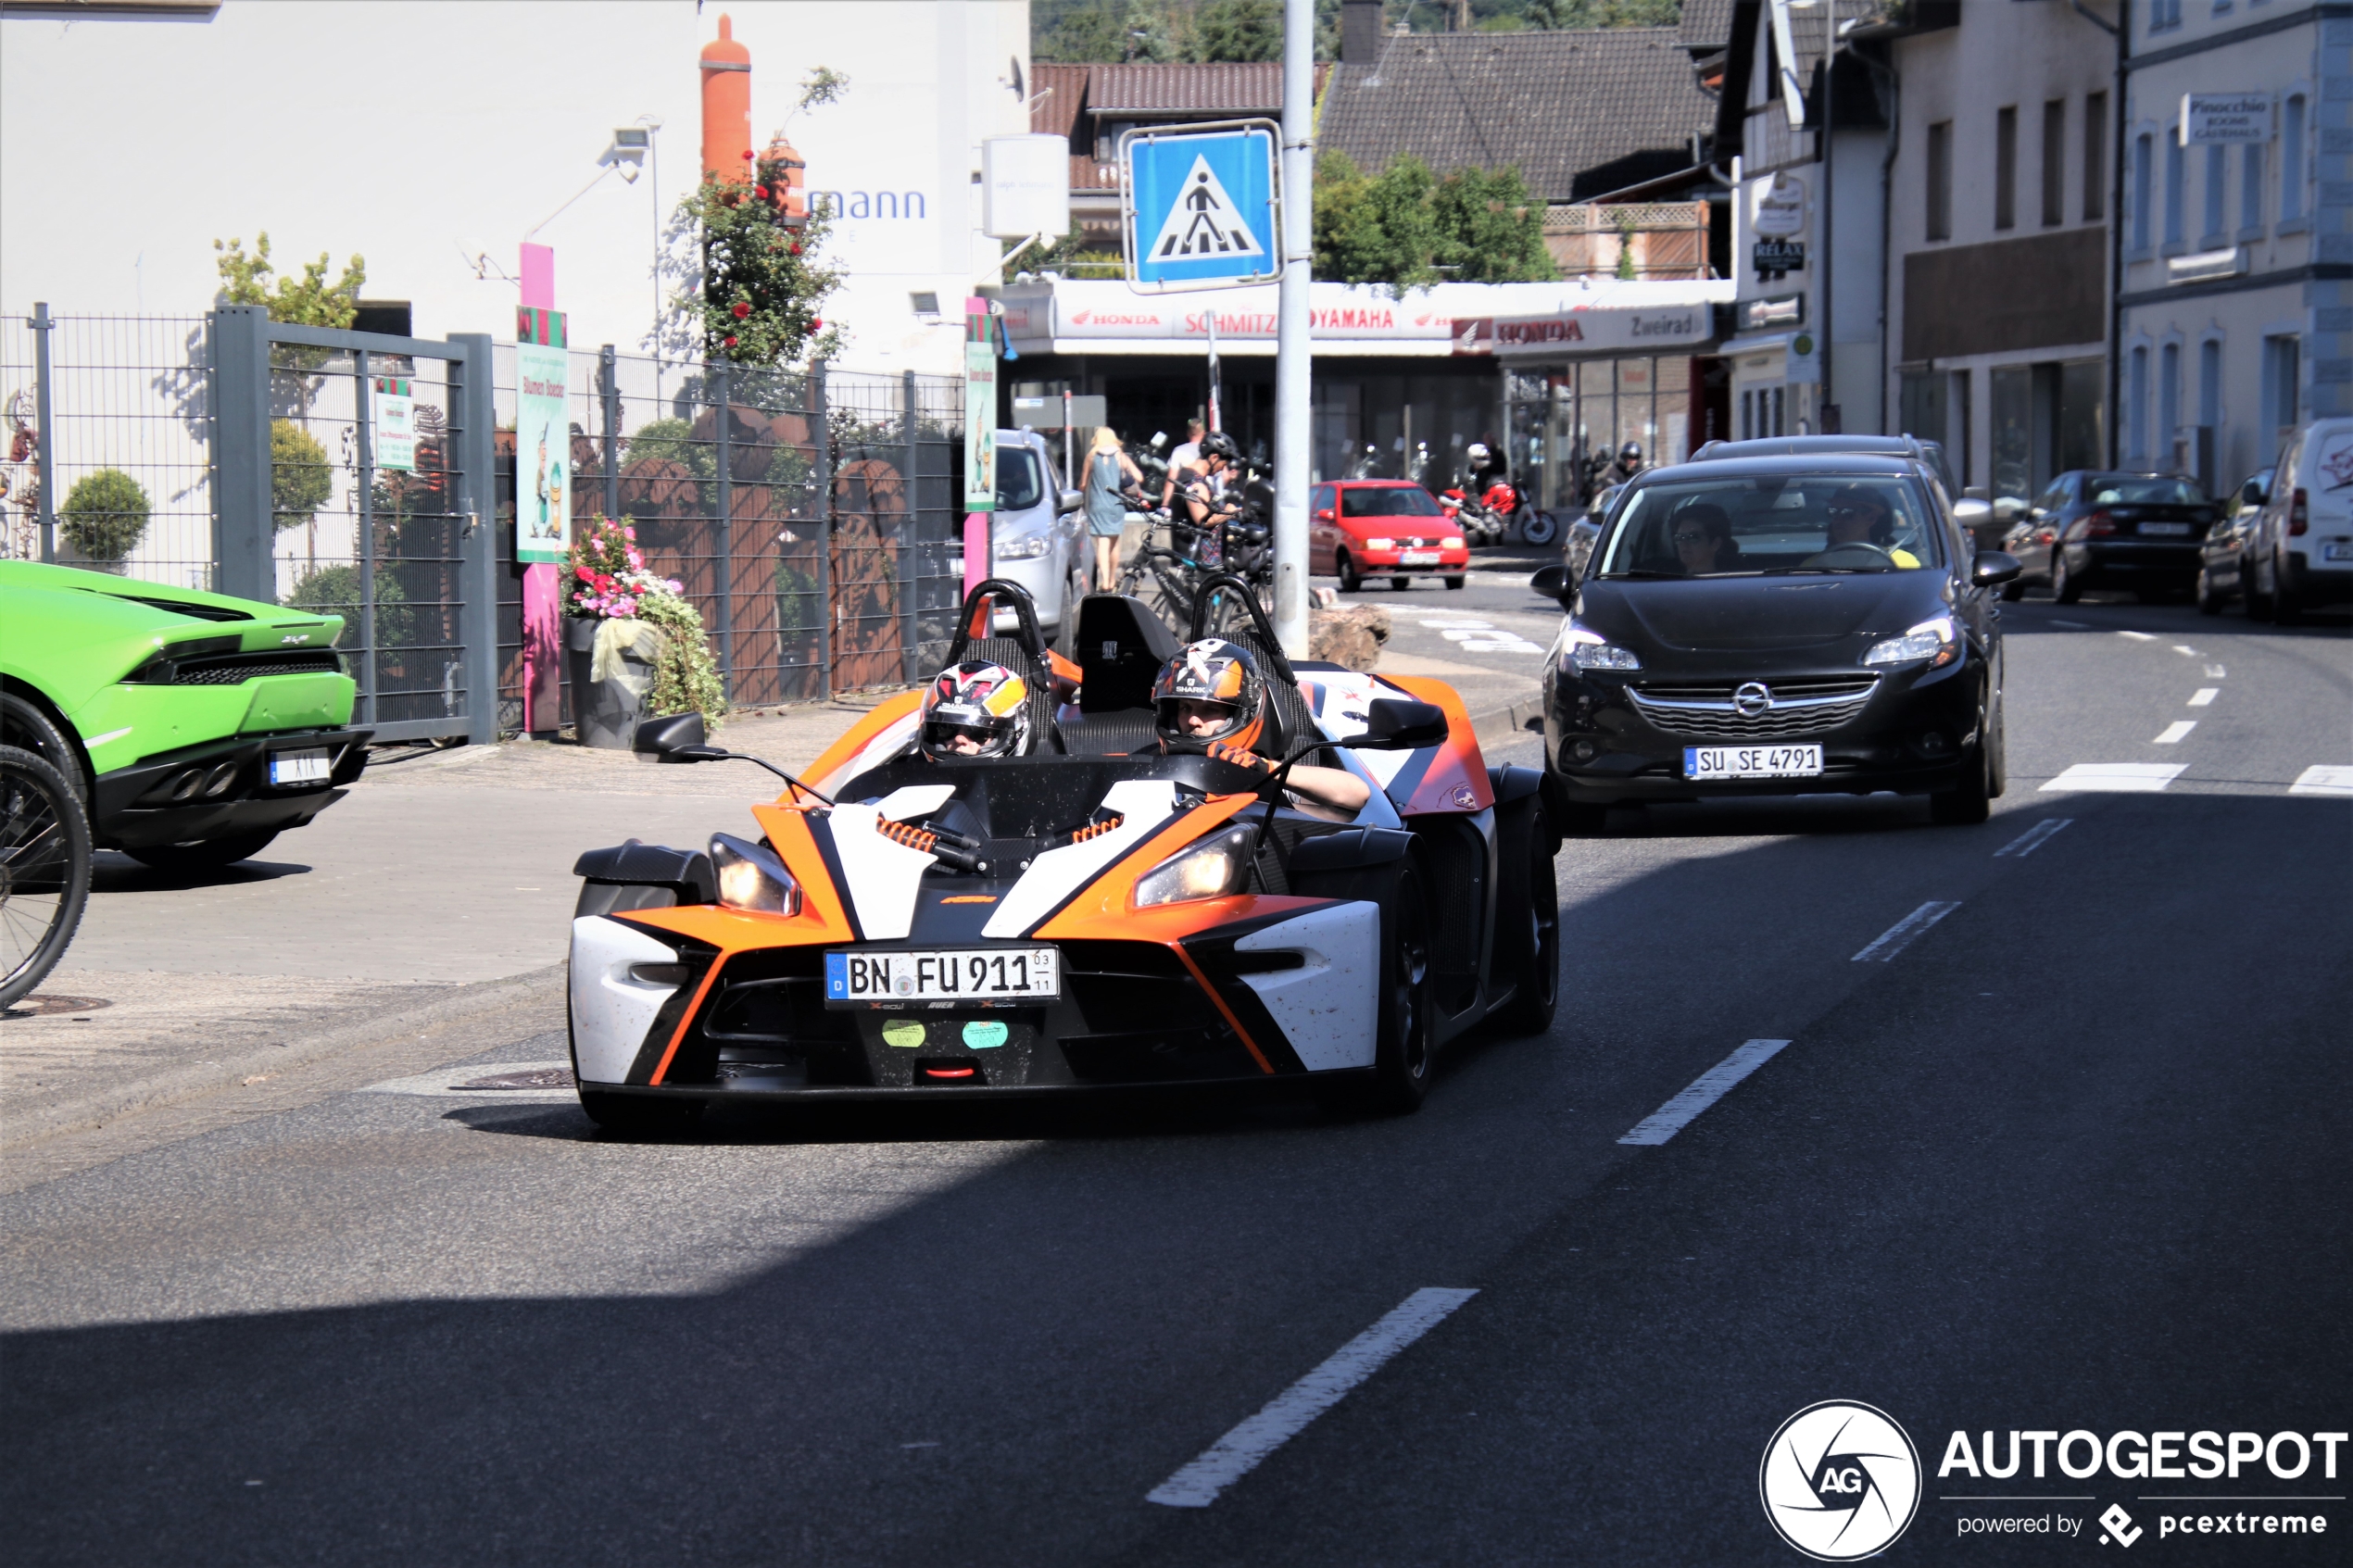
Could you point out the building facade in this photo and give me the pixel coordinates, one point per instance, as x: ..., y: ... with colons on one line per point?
x: 2235, y: 320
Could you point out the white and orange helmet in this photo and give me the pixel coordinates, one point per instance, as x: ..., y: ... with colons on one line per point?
x: 1213, y: 670
x: 977, y: 702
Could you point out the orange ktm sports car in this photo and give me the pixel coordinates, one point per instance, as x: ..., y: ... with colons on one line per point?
x: 1103, y: 911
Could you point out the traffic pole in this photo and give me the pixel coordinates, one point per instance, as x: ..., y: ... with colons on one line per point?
x: 1292, y: 365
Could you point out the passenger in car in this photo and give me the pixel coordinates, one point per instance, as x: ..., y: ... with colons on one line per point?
x: 1211, y: 696
x: 1702, y: 538
x: 1860, y: 515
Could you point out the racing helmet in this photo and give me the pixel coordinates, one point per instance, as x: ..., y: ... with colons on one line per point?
x: 1477, y: 455
x: 980, y: 702
x: 1213, y: 670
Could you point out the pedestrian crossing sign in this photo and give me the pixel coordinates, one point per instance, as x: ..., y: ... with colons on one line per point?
x: 1203, y: 207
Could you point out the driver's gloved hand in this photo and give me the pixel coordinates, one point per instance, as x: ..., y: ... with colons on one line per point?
x: 1220, y: 751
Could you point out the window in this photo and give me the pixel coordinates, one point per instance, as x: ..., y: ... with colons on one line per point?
x: 2176, y: 174
x: 2005, y: 166
x: 2280, y: 373
x: 2143, y: 151
x: 2210, y: 382
x: 2164, y: 14
x: 2215, y: 159
x: 2054, y: 163
x: 2292, y: 160
x: 1387, y: 500
x: 1711, y: 528
x: 1019, y: 487
x: 1940, y: 181
x: 2095, y: 157
x: 2169, y: 396
x: 2136, y: 409
x: 2251, y: 187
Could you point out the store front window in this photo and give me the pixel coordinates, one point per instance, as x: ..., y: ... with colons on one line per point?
x: 1570, y: 421
x: 1401, y: 426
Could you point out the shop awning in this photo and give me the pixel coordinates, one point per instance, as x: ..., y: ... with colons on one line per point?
x: 1601, y: 317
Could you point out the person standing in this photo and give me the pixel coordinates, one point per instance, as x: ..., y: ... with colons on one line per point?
x: 1109, y: 471
x: 1185, y: 456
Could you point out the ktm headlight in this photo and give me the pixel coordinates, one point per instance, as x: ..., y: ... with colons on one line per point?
x: 751, y: 877
x: 1935, y: 641
x: 1209, y: 869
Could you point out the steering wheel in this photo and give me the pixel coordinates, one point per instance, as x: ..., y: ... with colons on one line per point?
x: 1854, y: 554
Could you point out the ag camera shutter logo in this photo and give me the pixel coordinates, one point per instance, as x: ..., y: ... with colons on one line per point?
x: 1839, y: 1480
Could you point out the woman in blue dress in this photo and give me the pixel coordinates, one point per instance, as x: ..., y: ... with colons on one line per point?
x: 1109, y: 471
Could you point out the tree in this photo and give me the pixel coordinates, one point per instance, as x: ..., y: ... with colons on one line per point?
x: 300, y: 477
x: 1405, y: 229
x: 1550, y: 14
x: 1239, y: 30
x: 1488, y: 230
x: 105, y: 515
x: 307, y: 301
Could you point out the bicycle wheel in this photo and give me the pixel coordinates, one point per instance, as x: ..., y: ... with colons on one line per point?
x: 1164, y: 593
x: 44, y: 870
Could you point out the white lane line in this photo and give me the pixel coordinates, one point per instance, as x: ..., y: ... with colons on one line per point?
x: 2185, y: 650
x: 2073, y: 625
x: 2204, y: 696
x: 2139, y: 637
x: 1705, y: 1090
x: 2215, y: 671
x: 2117, y: 778
x: 2034, y: 838
x: 2323, y: 778
x: 1287, y: 1415
x: 1904, y: 931
x: 2175, y: 732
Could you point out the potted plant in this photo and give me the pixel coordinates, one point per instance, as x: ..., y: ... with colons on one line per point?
x: 633, y: 644
x: 103, y: 518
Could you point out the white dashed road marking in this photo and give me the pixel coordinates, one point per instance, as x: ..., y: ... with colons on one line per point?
x: 2323, y: 779
x: 1705, y: 1090
x: 2034, y: 838
x: 1904, y: 931
x: 2139, y: 637
x: 2185, y: 650
x: 2175, y: 732
x: 1482, y: 636
x: 2215, y: 671
x: 2204, y: 696
x: 2072, y: 625
x: 1287, y: 1415
x: 2118, y: 778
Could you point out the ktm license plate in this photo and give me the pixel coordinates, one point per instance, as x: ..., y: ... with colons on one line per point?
x: 1004, y: 976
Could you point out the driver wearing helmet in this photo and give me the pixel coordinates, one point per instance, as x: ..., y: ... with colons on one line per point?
x: 976, y: 709
x: 1211, y: 697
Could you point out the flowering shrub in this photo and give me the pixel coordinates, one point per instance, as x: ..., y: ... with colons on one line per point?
x: 607, y: 572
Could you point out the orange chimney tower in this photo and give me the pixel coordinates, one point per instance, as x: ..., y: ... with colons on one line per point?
x: 726, y: 107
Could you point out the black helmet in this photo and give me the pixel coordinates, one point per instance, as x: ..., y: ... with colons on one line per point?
x: 1631, y: 453
x: 1217, y: 444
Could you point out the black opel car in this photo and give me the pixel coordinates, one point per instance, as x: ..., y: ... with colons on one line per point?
x: 1776, y: 626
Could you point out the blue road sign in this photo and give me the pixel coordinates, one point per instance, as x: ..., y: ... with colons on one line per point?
x: 1202, y: 207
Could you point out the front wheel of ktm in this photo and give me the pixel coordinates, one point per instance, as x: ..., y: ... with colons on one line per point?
x: 1403, y: 1057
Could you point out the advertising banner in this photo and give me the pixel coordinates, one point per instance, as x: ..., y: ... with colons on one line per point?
x: 394, y: 441
x: 543, y: 438
x: 980, y: 428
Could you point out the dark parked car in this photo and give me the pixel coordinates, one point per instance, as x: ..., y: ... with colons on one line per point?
x: 2093, y: 529
x: 1777, y: 626
x: 2228, y: 546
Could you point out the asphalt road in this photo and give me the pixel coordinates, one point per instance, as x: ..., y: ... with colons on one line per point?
x: 2073, y: 1156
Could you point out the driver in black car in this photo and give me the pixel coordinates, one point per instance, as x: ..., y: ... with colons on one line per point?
x: 1860, y: 515
x: 1702, y: 539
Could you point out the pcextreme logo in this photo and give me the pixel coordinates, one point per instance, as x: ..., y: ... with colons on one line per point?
x: 1839, y: 1480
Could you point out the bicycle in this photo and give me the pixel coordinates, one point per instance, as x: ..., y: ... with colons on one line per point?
x: 44, y: 870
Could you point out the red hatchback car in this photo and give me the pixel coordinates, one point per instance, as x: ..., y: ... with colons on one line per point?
x: 1389, y: 528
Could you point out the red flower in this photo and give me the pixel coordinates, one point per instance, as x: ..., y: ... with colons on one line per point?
x: 816, y: 326
x: 741, y: 310
x: 730, y: 343
x: 747, y: 154
x: 796, y: 247
x: 760, y: 191
x: 584, y: 574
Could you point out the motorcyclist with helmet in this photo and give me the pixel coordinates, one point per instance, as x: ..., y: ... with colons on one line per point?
x: 1628, y: 463
x: 1212, y: 697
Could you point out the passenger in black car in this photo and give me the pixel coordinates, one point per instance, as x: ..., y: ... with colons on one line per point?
x: 1702, y: 537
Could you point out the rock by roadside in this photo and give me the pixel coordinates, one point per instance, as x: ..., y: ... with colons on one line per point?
x: 1351, y: 635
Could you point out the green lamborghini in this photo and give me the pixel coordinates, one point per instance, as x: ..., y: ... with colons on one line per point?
x: 198, y: 727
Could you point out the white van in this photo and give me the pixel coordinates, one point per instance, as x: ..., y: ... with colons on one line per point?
x: 2302, y: 552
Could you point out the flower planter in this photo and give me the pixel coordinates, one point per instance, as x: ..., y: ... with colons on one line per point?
x: 605, y: 713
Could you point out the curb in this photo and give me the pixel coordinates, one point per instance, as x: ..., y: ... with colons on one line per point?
x: 462, y: 1004
x: 1508, y: 720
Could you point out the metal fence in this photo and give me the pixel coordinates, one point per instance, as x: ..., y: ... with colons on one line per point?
x: 811, y: 517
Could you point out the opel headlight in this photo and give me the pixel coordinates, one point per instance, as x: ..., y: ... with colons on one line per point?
x: 751, y: 877
x: 1209, y: 869
x: 1380, y: 544
x: 1583, y: 648
x: 1023, y: 546
x: 1935, y: 641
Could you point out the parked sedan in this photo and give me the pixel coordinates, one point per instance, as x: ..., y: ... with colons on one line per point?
x: 1777, y: 626
x: 2225, y: 552
x: 2093, y: 529
x: 1389, y: 528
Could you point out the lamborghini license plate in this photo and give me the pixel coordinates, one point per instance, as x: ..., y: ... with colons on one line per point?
x: 1752, y: 761
x: 1005, y: 975
x: 298, y: 767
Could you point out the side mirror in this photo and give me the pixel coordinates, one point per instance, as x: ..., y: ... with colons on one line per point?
x: 1069, y: 501
x: 1970, y: 513
x: 1553, y: 583
x: 1992, y: 567
x: 1395, y: 725
x: 678, y: 738
x: 1324, y: 516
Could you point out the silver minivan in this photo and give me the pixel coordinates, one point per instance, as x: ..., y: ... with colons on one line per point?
x: 1038, y: 534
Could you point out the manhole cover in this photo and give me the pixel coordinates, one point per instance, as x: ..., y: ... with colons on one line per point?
x: 531, y: 1078
x: 41, y: 1002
